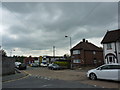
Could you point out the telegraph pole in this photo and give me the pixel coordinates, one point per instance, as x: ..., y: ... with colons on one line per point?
x: 54, y: 52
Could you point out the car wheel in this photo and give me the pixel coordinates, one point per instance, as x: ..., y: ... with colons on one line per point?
x: 93, y: 76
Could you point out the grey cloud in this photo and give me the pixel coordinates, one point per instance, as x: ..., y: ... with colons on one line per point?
x: 43, y: 25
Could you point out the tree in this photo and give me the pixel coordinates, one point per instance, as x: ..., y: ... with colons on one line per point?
x: 3, y: 53
x: 19, y: 58
x: 66, y: 56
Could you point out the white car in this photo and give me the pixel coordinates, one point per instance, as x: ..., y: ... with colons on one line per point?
x: 17, y: 64
x: 43, y: 64
x: 106, y: 71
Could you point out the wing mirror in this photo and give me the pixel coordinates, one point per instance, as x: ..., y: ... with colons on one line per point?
x: 99, y: 68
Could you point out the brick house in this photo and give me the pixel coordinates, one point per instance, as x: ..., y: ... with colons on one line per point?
x: 111, y: 45
x: 86, y: 53
x: 28, y: 60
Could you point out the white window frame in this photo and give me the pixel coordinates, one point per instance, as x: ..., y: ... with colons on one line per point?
x: 76, y: 52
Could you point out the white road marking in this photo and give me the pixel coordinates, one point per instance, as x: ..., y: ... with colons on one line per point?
x: 46, y: 85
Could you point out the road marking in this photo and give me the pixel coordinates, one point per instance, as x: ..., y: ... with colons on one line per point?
x: 16, y: 79
x: 37, y: 76
x: 26, y: 72
x: 46, y: 85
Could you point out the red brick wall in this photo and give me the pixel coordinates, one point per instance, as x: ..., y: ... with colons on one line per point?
x: 87, y: 58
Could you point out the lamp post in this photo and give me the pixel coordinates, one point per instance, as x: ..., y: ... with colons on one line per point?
x: 70, y: 40
x: 70, y: 48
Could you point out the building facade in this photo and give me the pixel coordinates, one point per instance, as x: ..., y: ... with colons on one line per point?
x: 29, y: 60
x: 111, y: 44
x: 86, y: 53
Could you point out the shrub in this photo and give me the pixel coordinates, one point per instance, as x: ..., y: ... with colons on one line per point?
x: 64, y: 64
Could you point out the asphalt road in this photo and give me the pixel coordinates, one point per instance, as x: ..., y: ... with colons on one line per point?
x: 42, y: 82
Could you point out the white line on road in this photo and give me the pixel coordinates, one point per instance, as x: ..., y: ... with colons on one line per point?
x: 46, y: 85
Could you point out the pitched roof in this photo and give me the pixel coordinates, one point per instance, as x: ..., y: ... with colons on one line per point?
x: 86, y: 46
x: 111, y: 36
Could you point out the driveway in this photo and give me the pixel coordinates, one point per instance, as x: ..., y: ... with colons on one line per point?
x: 70, y: 75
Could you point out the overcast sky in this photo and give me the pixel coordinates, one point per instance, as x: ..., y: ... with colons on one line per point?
x: 34, y: 28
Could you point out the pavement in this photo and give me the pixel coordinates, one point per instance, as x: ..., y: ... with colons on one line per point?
x: 18, y: 75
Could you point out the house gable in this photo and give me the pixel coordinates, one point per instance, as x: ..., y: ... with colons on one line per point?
x: 111, y: 42
x: 111, y: 36
x: 85, y: 45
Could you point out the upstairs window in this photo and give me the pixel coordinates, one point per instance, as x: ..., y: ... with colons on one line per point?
x: 76, y: 52
x: 109, y: 46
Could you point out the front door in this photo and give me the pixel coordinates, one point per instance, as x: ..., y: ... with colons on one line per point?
x: 111, y: 59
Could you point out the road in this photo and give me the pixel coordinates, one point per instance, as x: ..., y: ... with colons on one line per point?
x: 71, y: 75
x: 41, y: 82
x: 40, y: 77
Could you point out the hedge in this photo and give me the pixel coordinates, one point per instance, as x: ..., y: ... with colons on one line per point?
x: 66, y: 64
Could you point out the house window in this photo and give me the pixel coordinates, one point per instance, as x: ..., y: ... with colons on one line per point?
x: 76, y: 51
x: 94, y: 52
x: 95, y: 61
x: 109, y: 46
x: 76, y: 61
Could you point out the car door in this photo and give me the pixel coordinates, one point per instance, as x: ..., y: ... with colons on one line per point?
x: 115, y: 69
x: 107, y: 72
x: 102, y: 72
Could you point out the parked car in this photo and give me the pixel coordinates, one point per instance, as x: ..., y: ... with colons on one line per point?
x: 34, y: 64
x: 43, y: 64
x: 106, y: 71
x: 54, y: 67
x: 20, y: 65
x: 17, y: 64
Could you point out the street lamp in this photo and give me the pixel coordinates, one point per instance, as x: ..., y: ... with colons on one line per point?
x: 70, y: 48
x: 70, y: 40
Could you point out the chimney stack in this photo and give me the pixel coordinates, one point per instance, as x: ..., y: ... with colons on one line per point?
x: 84, y: 40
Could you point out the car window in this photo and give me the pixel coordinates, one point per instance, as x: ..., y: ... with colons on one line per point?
x: 105, y: 67
x: 55, y: 65
x: 115, y: 66
x: 110, y: 67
